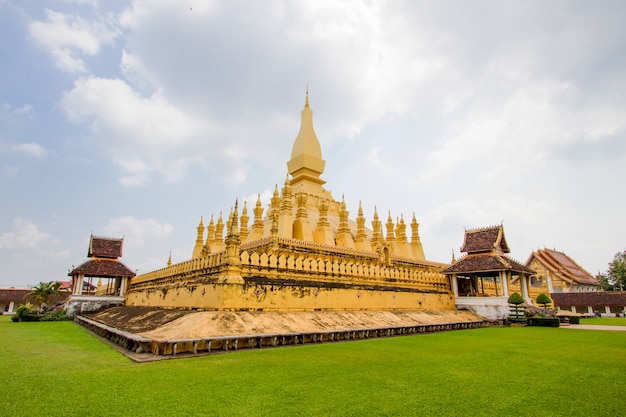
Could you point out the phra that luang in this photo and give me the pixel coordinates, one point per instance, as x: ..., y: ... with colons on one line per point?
x: 302, y: 253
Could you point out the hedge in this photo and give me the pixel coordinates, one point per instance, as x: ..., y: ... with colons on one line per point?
x: 543, y: 321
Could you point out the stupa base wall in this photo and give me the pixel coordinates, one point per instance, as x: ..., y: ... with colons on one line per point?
x: 262, y: 294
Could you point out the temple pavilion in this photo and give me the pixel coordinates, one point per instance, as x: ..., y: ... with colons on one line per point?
x: 482, y: 279
x: 104, y: 265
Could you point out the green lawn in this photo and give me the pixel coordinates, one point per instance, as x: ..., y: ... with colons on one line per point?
x: 58, y: 368
x: 605, y: 321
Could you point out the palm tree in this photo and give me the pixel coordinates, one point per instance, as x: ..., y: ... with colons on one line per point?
x: 42, y: 292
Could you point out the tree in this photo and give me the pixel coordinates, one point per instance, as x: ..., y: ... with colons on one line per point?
x: 544, y: 299
x: 42, y: 292
x: 615, y: 277
x: 617, y: 270
x: 605, y: 284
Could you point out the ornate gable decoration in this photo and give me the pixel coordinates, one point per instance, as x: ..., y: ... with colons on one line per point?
x: 562, y: 266
x: 104, y: 247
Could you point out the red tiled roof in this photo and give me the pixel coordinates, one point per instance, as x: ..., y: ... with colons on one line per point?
x: 104, y: 268
x: 13, y: 294
x: 104, y: 247
x: 600, y: 298
x: 475, y: 263
x: 562, y: 266
x: 485, y: 240
x: 65, y: 285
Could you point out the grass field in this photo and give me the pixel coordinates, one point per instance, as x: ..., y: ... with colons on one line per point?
x: 605, y: 321
x: 59, y: 369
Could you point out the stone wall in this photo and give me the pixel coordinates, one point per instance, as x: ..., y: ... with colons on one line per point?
x: 78, y: 304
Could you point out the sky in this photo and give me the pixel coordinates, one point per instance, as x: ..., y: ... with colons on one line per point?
x: 135, y: 118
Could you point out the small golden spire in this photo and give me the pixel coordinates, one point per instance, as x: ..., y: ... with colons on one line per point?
x: 306, y: 101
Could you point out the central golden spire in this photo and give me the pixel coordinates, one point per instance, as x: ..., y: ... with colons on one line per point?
x: 306, y: 164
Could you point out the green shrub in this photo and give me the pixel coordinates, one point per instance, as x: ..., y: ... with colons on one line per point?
x: 571, y: 320
x: 56, y: 315
x: 518, y: 311
x: 23, y: 309
x: 25, y: 313
x: 544, y: 299
x: 544, y: 321
x: 515, y: 298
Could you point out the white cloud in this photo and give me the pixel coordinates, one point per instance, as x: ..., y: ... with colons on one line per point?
x: 25, y: 235
x: 135, y: 72
x: 112, y: 105
x: 10, y: 112
x: 70, y: 37
x: 136, y: 230
x: 24, y: 109
x: 141, y: 134
x: 92, y: 3
x: 373, y: 156
x: 32, y: 149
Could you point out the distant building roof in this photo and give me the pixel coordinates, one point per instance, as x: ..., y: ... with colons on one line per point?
x: 485, y: 240
x: 13, y: 294
x: 104, y: 247
x: 593, y: 298
x: 20, y: 295
x: 562, y: 266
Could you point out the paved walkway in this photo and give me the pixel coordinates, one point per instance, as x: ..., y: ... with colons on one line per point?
x: 594, y: 327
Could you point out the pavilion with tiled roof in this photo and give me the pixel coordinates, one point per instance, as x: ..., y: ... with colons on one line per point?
x: 103, y: 263
x: 561, y: 273
x: 485, y: 263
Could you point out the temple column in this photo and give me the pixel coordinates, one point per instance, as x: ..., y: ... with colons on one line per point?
x: 524, y: 286
x: 77, y: 288
x: 549, y: 282
x: 505, y: 277
x: 474, y: 284
x: 455, y: 286
x: 123, y: 286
